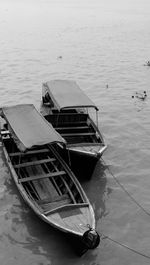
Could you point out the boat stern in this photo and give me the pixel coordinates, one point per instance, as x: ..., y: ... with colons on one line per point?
x: 91, y: 150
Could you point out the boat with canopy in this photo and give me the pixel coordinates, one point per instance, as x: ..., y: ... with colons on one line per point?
x: 67, y: 108
x: 42, y: 177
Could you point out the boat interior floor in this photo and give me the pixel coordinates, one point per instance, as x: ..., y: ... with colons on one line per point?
x: 75, y: 127
x: 44, y: 178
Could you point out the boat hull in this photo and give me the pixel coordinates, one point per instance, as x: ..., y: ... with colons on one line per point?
x: 42, y: 177
x: 50, y: 217
x: 88, y: 151
x: 61, y: 217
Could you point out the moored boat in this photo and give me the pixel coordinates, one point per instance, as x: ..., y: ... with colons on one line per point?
x: 67, y: 108
x: 43, y: 179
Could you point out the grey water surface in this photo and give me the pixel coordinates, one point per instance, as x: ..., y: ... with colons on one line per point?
x: 103, y: 45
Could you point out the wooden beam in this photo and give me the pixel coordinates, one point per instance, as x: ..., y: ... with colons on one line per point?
x: 72, y: 127
x: 42, y: 176
x: 3, y: 132
x: 77, y: 134
x: 53, y: 180
x: 34, y: 163
x: 69, y: 190
x: 29, y: 152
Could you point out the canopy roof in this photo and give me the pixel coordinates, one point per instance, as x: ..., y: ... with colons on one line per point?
x: 29, y: 128
x: 67, y: 94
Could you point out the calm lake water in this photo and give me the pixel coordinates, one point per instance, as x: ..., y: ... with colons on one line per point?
x: 103, y: 45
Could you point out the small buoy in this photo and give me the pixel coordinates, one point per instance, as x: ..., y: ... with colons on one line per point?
x: 91, y: 239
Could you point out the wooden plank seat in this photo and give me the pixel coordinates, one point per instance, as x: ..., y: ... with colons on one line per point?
x: 86, y: 144
x: 77, y: 134
x: 34, y: 163
x: 62, y: 118
x: 69, y: 124
x: 72, y: 127
x: 4, y: 132
x: 42, y: 176
x: 45, y: 150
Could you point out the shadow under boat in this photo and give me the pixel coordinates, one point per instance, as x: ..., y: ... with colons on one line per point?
x: 81, y: 165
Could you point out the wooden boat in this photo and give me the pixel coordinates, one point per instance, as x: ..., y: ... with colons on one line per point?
x: 67, y: 108
x: 43, y: 179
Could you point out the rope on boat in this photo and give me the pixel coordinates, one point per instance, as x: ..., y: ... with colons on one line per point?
x: 103, y: 237
x: 124, y: 189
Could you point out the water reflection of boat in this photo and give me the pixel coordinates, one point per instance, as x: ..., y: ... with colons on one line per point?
x: 68, y: 110
x: 43, y: 179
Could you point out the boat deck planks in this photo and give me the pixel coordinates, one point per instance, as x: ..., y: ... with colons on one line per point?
x: 54, y: 204
x: 70, y: 217
x: 42, y: 176
x: 41, y: 186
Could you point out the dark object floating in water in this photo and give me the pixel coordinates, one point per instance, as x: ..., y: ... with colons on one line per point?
x: 147, y: 63
x: 91, y: 238
x: 59, y: 57
x: 140, y: 95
